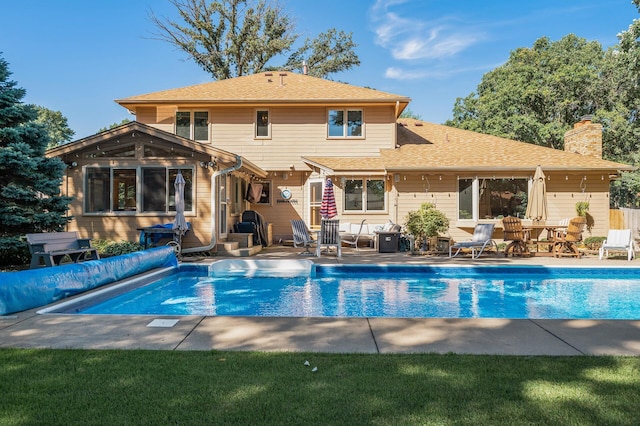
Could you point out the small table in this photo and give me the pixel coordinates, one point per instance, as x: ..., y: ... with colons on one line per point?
x: 388, y: 241
x: 551, y: 232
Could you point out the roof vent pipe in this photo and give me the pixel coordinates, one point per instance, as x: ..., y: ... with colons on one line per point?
x: 305, y: 68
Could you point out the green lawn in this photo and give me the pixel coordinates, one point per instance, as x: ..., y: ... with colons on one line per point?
x: 161, y: 387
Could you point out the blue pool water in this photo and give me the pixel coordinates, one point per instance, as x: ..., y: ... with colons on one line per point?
x: 389, y: 291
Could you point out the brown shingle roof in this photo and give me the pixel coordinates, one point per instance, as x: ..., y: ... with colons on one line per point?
x: 346, y: 164
x: 436, y: 147
x: 428, y: 146
x: 271, y: 87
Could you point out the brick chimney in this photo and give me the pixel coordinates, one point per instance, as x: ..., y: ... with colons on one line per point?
x: 585, y: 138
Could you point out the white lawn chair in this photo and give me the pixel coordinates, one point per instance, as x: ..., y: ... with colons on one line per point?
x: 301, y: 236
x: 354, y: 236
x: 618, y: 240
x: 482, y: 234
x: 329, y: 236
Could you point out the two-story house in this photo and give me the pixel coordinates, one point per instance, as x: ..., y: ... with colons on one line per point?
x: 287, y: 133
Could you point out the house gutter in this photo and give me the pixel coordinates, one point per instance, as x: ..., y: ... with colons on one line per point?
x: 214, y: 190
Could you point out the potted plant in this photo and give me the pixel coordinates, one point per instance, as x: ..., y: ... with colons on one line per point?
x: 582, y: 207
x: 426, y: 223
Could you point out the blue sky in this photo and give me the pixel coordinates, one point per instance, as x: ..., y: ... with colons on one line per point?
x: 77, y: 56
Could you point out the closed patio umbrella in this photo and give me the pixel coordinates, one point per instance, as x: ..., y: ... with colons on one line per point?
x: 328, y: 207
x: 537, y: 204
x: 180, y: 226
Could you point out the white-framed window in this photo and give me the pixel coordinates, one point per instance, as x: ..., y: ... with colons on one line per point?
x: 365, y: 195
x: 492, y: 198
x: 193, y: 125
x: 135, y: 189
x: 345, y: 123
x: 263, y: 124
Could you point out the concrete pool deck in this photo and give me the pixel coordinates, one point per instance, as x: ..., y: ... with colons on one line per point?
x: 28, y: 329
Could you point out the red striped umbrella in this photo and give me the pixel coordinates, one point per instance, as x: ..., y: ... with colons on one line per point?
x: 328, y: 207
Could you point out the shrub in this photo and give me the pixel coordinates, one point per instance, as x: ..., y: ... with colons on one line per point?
x: 426, y: 222
x: 594, y: 243
x: 115, y: 248
x: 14, y: 251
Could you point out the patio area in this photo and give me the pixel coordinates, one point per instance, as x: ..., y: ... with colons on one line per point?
x: 343, y: 335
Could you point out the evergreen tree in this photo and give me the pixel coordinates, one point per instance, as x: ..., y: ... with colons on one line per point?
x: 30, y: 198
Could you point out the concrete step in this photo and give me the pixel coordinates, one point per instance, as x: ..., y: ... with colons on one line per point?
x: 228, y: 245
x: 232, y: 249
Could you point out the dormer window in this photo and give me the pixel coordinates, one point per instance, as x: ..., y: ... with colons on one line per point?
x: 193, y: 125
x: 345, y: 123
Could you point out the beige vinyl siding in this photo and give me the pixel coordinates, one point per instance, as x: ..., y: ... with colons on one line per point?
x: 297, y: 132
x: 562, y: 196
x: 280, y: 213
x: 161, y: 117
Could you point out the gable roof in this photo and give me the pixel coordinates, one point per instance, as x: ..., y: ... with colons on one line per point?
x: 136, y: 129
x: 275, y: 87
x: 431, y: 146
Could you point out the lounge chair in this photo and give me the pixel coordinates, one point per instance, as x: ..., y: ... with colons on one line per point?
x: 565, y: 245
x: 514, y: 232
x: 301, y: 236
x: 329, y: 236
x: 618, y: 240
x: 481, y: 238
x: 353, y: 236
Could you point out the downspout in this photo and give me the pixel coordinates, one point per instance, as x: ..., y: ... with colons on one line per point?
x: 214, y: 190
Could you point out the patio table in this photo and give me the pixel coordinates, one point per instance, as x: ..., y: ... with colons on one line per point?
x: 536, y: 229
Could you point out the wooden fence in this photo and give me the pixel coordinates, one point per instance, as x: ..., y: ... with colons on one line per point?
x: 626, y: 219
x: 616, y: 219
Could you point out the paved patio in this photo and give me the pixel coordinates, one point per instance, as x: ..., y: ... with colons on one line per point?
x: 346, y: 335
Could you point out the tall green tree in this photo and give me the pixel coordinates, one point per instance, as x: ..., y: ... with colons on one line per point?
x: 231, y: 38
x: 55, y: 124
x: 330, y: 52
x: 30, y: 198
x: 114, y: 125
x: 538, y: 94
x: 622, y: 80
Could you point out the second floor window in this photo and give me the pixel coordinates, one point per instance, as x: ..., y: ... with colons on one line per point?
x: 193, y: 125
x: 263, y: 126
x: 345, y: 123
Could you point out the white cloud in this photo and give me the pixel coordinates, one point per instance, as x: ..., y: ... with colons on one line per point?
x: 439, y: 71
x: 401, y: 74
x: 413, y: 38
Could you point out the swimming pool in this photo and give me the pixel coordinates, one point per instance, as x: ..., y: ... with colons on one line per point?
x: 394, y: 291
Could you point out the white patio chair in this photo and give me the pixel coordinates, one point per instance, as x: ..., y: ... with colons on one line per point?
x: 301, y: 236
x: 481, y: 238
x: 354, y: 236
x: 329, y: 236
x: 618, y: 240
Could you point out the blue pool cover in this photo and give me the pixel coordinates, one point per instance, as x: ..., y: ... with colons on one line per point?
x: 37, y: 287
